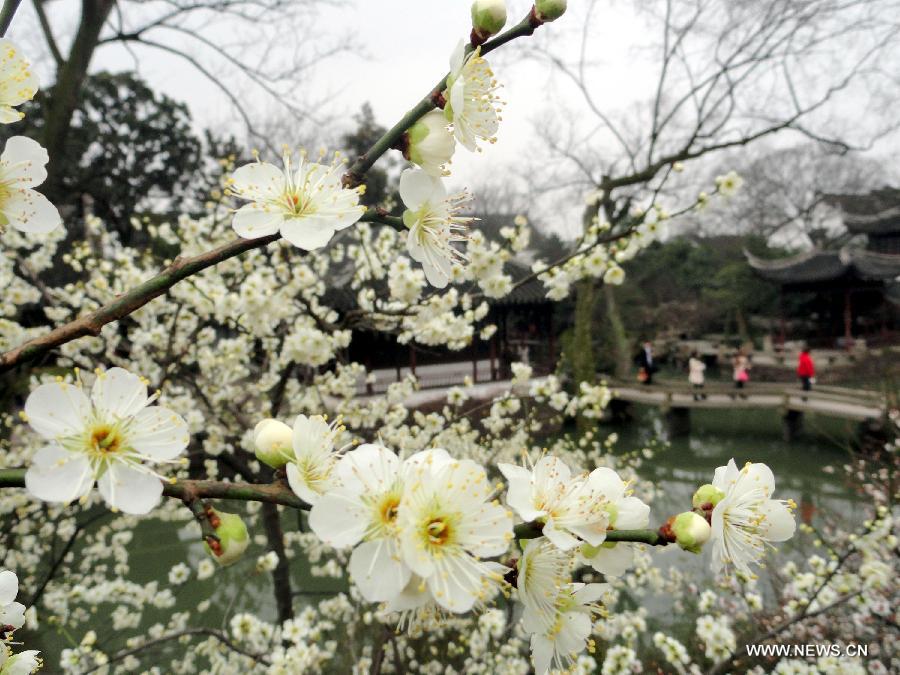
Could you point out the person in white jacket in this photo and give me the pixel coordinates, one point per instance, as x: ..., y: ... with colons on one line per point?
x: 696, y: 368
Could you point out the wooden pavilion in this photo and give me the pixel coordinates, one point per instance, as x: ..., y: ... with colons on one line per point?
x: 854, y: 291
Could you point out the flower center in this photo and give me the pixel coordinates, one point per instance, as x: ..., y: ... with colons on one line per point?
x: 438, y: 531
x: 105, y: 439
x: 388, y: 509
x: 295, y: 203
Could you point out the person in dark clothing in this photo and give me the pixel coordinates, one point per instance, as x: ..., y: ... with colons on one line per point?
x: 806, y: 370
x: 645, y: 363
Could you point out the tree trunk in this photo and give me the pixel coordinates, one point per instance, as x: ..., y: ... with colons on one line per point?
x: 67, y: 89
x: 621, y: 344
x: 584, y: 366
x: 281, y: 576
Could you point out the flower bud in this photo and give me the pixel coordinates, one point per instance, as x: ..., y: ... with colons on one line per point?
x: 550, y: 10
x: 274, y: 443
x: 232, y: 534
x: 488, y: 18
x: 430, y: 144
x: 691, y: 531
x: 707, y: 496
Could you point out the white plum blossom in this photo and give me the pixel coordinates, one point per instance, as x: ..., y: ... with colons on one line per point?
x: 111, y: 438
x: 18, y: 82
x: 310, y: 472
x: 23, y: 663
x: 306, y: 204
x: 364, y: 509
x: 558, y: 613
x: 626, y: 512
x: 434, y: 224
x: 447, y: 524
x: 570, y: 508
x: 22, y: 168
x: 746, y: 518
x: 430, y: 143
x: 472, y: 104
x: 12, y: 613
x: 729, y: 184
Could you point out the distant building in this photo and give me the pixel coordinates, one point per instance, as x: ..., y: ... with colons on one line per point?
x: 854, y: 291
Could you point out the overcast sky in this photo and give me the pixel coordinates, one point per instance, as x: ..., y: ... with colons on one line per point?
x: 394, y: 51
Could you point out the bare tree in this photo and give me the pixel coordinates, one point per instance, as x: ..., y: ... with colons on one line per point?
x: 727, y: 74
x: 784, y: 193
x: 212, y: 37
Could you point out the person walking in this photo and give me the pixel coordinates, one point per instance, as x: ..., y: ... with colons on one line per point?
x: 645, y: 363
x: 696, y: 376
x: 741, y: 369
x: 806, y: 369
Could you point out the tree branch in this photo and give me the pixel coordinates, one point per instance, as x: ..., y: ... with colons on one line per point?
x: 7, y: 12
x: 131, y: 301
x: 186, y: 490
x: 48, y: 33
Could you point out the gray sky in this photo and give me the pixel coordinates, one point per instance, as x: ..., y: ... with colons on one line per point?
x: 395, y: 51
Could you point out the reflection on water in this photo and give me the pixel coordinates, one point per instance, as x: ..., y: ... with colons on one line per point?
x: 719, y: 435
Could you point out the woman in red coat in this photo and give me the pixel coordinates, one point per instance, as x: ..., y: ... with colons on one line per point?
x: 806, y: 371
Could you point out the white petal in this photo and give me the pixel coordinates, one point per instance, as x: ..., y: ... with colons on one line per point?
x: 614, y: 560
x: 561, y: 539
x: 9, y: 587
x: 458, y: 58
x: 542, y: 650
x: 258, y: 181
x: 486, y: 532
x: 30, y: 211
x: 437, y: 270
x: 418, y: 188
x: 300, y: 487
x: 12, y: 615
x: 632, y: 514
x: 519, y: 492
x: 308, y: 233
x: 23, y: 161
x: 608, y: 482
x: 456, y: 583
x: 425, y: 461
x: 591, y: 593
x: 119, y: 393
x: 725, y: 475
x: 758, y: 476
x: 158, y: 432
x: 57, y: 409
x: 57, y: 475
x: 250, y: 221
x: 378, y: 570
x: 338, y: 518
x: 130, y: 490
x: 309, y: 434
x: 779, y: 523
x: 369, y: 469
x: 415, y: 594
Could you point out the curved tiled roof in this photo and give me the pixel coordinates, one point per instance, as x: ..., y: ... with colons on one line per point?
x: 877, y: 212
x: 818, y: 266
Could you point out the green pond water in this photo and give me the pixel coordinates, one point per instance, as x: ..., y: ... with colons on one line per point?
x: 716, y: 436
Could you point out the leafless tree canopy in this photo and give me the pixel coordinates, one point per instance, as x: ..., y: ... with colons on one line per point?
x: 727, y: 73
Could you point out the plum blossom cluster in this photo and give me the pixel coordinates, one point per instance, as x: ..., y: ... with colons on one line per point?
x: 23, y: 160
x: 309, y: 203
x: 12, y: 617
